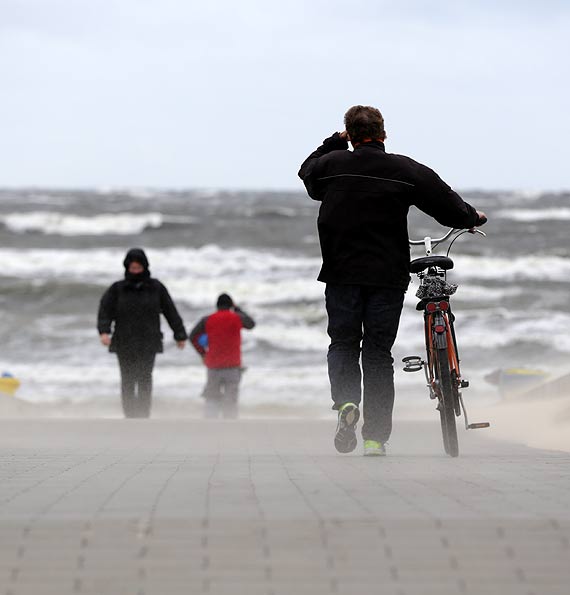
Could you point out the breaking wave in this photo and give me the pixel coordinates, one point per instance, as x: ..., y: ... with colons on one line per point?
x: 532, y: 215
x: 235, y: 265
x: 53, y: 223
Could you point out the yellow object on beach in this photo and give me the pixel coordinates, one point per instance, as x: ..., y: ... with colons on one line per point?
x: 515, y: 381
x: 9, y: 385
x: 524, y: 372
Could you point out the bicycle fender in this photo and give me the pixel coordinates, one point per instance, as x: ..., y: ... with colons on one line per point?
x: 439, y: 332
x: 440, y: 340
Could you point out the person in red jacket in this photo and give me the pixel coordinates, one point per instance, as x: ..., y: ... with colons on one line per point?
x: 217, y: 338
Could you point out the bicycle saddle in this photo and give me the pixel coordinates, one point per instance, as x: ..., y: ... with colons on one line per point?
x: 421, y: 264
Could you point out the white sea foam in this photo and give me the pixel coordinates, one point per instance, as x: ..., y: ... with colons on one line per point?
x: 142, y: 193
x: 52, y: 346
x: 179, y: 376
x: 281, y: 292
x: 507, y: 327
x: 88, y: 374
x: 532, y: 215
x: 74, y: 225
x: 530, y: 267
x: 494, y: 328
x: 216, y: 267
x: 208, y: 262
x: 57, y: 383
x: 200, y: 292
x: 293, y: 337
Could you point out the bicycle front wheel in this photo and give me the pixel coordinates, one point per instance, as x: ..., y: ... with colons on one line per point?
x: 447, y: 404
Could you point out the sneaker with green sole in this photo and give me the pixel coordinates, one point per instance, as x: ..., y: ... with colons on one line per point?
x: 345, y: 437
x: 373, y: 448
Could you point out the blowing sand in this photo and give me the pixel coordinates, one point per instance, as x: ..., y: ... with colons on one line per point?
x: 536, y: 423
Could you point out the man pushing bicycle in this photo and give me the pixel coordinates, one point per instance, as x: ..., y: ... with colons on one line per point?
x: 365, y: 196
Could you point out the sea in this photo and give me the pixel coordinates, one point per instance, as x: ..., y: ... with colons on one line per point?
x: 60, y: 250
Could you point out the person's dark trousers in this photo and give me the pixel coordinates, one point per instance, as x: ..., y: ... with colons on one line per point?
x: 369, y: 316
x: 136, y: 382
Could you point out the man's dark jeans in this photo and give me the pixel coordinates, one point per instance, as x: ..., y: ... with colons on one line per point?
x: 368, y: 315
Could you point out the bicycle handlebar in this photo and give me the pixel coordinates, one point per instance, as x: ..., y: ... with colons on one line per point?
x: 431, y: 243
x: 433, y: 240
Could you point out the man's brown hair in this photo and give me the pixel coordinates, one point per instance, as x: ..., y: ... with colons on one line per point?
x: 364, y: 122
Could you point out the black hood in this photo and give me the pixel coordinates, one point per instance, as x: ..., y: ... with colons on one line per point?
x: 136, y: 255
x: 139, y: 280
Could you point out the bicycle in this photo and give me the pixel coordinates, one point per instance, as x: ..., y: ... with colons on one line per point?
x: 441, y: 368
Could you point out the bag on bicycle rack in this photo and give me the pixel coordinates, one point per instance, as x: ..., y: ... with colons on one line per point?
x: 432, y: 287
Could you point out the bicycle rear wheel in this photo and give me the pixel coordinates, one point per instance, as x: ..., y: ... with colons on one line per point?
x: 447, y: 404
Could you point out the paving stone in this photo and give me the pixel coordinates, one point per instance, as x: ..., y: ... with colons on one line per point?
x: 162, y: 507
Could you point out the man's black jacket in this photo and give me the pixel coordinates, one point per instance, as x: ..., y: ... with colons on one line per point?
x: 135, y: 308
x: 365, y: 196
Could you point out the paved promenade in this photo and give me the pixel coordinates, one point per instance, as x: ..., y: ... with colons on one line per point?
x: 266, y: 507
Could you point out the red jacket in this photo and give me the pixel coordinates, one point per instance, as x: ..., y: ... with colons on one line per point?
x: 223, y: 329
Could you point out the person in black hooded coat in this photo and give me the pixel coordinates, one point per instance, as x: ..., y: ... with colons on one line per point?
x: 129, y: 324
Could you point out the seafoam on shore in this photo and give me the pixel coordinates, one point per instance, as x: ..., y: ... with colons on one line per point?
x: 61, y: 249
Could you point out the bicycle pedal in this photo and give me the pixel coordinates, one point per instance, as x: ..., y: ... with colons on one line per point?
x: 465, y: 384
x: 413, y: 363
x: 479, y: 426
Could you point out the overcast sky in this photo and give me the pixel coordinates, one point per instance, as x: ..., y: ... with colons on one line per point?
x: 235, y: 94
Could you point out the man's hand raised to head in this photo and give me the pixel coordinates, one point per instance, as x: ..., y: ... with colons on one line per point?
x: 344, y: 135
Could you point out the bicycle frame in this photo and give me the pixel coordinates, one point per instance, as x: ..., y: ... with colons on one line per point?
x: 444, y: 380
x: 433, y: 321
x: 451, y: 340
